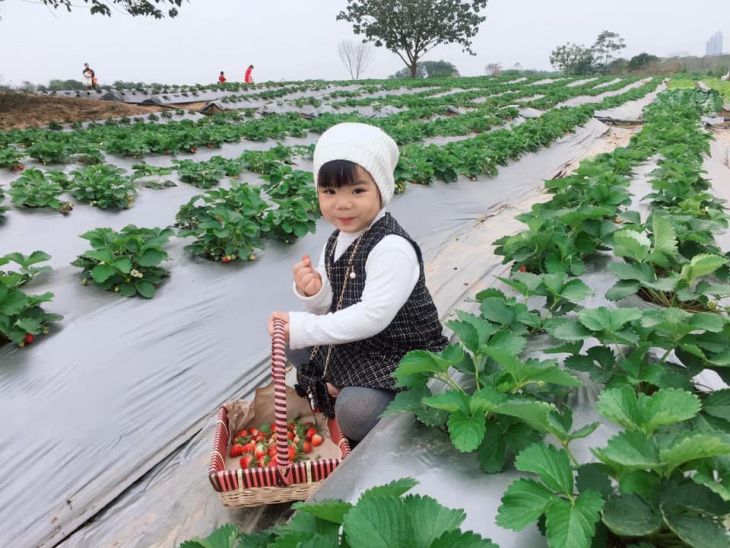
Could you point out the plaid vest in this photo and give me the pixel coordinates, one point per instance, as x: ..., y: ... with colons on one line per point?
x: 416, y: 326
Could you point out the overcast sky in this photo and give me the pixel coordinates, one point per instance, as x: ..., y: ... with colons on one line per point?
x: 298, y: 39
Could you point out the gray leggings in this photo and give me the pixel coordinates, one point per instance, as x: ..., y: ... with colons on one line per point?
x: 357, y: 408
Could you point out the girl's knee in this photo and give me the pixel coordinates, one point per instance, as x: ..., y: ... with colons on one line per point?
x: 358, y: 409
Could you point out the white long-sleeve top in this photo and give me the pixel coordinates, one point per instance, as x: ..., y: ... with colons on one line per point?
x: 392, y: 271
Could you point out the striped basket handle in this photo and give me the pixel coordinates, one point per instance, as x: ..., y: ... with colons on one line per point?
x: 278, y: 362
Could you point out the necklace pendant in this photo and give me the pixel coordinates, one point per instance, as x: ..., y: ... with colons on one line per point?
x: 352, y: 275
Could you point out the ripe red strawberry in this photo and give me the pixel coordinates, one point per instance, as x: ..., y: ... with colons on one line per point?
x: 306, y: 447
x: 310, y: 432
x: 249, y: 447
x: 242, y: 433
x: 21, y: 168
x: 245, y: 462
x: 290, y: 435
x: 522, y: 269
x: 237, y: 450
x: 254, y: 432
x: 29, y: 338
x: 317, y: 440
x: 272, y: 450
x: 292, y: 453
x: 225, y: 260
x: 15, y: 168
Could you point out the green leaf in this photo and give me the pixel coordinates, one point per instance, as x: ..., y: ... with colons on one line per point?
x: 151, y: 257
x: 223, y: 537
x: 606, y: 319
x: 668, y: 406
x: 123, y: 264
x: 12, y: 301
x: 647, y: 413
x: 717, y: 404
x: 631, y: 450
x: 492, y: 452
x: 701, y: 265
x: 395, y: 488
x: 665, y: 237
x: 329, y: 510
x: 575, y: 291
x: 638, y: 482
x: 430, y: 519
x: 632, y: 271
x: 573, y: 525
x: 622, y: 289
x: 102, y: 273
x: 495, y: 310
x: 379, y: 522
x: 457, y: 539
x: 698, y: 531
x: 486, y: 400
x: 524, y: 501
x: 534, y: 413
x: 551, y: 464
x: 450, y: 401
x: 631, y: 516
x: 422, y: 361
x: 631, y: 244
x: 128, y: 290
x: 145, y: 288
x: 594, y: 477
x: 566, y: 330
x: 466, y: 431
x: 693, y: 445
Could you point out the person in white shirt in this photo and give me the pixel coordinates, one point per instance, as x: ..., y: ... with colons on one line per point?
x: 367, y: 302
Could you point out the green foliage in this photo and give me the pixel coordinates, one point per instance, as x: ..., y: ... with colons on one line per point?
x: 10, y: 157
x: 572, y: 59
x: 21, y: 316
x: 132, y: 7
x: 103, y: 186
x: 414, y: 28
x: 34, y: 189
x: 127, y: 261
x: 383, y: 516
x: 228, y: 226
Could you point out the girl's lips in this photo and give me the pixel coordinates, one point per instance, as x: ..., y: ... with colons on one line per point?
x: 346, y: 220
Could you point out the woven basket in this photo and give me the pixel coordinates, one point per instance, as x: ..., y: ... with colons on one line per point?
x: 273, y: 484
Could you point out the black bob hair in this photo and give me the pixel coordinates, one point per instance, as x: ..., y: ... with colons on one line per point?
x: 338, y: 173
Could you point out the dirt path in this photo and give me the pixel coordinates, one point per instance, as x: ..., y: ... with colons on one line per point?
x: 18, y: 110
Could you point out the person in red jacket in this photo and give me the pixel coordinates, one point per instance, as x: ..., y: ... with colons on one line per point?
x: 248, y: 78
x: 222, y: 78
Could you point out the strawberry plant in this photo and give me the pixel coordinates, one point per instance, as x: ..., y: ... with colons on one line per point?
x: 383, y: 516
x: 103, y: 186
x: 22, y: 318
x: 33, y: 190
x: 655, y: 482
x: 2, y: 209
x: 10, y: 157
x: 285, y: 182
x: 199, y: 174
x: 51, y: 152
x: 127, y: 261
x: 293, y: 219
x: 659, y: 273
x: 152, y: 176
x: 228, y: 226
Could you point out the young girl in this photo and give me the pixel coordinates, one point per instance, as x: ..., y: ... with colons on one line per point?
x: 367, y: 300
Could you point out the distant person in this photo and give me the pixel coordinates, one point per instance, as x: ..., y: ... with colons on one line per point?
x: 248, y: 78
x: 89, y: 77
x: 222, y: 78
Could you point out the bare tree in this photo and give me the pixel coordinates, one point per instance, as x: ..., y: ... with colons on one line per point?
x: 494, y: 69
x: 355, y: 56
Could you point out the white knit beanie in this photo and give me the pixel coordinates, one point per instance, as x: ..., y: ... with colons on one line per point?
x: 368, y: 146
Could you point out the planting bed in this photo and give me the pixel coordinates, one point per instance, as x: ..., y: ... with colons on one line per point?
x: 131, y: 383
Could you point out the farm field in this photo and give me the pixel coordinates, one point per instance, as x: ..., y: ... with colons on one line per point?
x: 608, y: 235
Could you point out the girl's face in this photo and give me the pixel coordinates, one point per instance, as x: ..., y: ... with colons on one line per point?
x: 352, y: 207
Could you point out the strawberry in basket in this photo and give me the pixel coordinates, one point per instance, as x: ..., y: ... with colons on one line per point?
x: 257, y: 446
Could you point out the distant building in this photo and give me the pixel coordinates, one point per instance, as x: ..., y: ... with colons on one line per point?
x: 678, y: 54
x: 714, y: 45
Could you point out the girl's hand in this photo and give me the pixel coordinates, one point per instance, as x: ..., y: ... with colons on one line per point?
x: 333, y: 390
x: 307, y: 279
x: 282, y: 316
